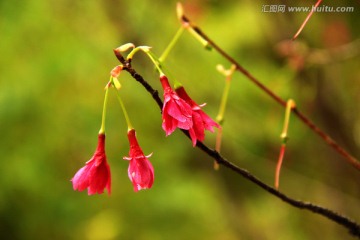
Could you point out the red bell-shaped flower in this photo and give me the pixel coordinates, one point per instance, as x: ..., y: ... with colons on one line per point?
x: 95, y: 175
x: 140, y: 171
x: 201, y: 121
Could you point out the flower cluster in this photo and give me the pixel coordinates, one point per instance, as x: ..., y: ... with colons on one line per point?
x: 179, y: 111
x: 95, y: 176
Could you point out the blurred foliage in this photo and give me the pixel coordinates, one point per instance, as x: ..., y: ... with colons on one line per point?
x: 56, y: 58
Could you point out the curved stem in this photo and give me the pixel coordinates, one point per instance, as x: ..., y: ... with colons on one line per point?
x: 156, y: 61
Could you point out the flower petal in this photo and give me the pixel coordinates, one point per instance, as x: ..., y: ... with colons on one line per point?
x: 81, y: 179
x: 100, y: 179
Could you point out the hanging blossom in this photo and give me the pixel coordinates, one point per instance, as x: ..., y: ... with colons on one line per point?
x: 95, y: 175
x: 201, y: 121
x: 175, y: 112
x: 140, y: 171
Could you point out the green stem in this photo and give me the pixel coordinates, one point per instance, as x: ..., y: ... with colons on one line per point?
x: 155, y: 60
x: 204, y: 42
x: 127, y: 119
x: 151, y: 55
x: 218, y: 146
x: 171, y: 44
x: 220, y: 116
x: 290, y: 105
x: 102, y: 128
x: 132, y: 53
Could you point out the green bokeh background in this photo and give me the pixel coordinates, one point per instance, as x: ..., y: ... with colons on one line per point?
x: 55, y: 61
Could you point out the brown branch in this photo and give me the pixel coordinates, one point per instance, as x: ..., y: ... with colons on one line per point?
x: 352, y: 226
x: 331, y: 142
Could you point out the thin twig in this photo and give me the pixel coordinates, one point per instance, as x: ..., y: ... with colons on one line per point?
x: 347, y: 156
x: 352, y: 226
x: 306, y: 19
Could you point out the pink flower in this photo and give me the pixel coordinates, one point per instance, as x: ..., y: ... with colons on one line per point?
x: 95, y: 175
x: 140, y: 171
x: 176, y: 112
x: 201, y: 121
